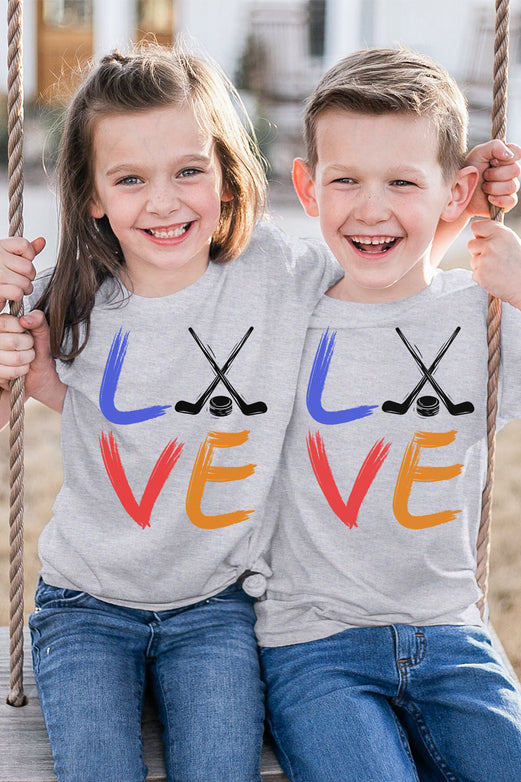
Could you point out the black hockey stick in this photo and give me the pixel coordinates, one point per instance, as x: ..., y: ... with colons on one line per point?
x: 454, y: 408
x: 255, y: 408
x: 400, y: 408
x: 193, y: 408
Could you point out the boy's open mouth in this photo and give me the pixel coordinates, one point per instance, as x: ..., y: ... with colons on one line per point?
x: 374, y: 244
x: 168, y: 233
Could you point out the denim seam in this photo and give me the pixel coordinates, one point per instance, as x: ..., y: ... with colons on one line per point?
x: 404, y: 664
x: 429, y: 743
x: 407, y: 747
x: 281, y: 755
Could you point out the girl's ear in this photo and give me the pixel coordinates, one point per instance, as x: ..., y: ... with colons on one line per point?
x: 226, y: 194
x: 462, y: 190
x: 95, y: 209
x: 305, y: 187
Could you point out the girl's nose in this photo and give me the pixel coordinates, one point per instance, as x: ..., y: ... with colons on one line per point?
x: 162, y: 200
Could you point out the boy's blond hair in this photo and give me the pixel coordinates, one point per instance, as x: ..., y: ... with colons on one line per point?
x: 384, y: 81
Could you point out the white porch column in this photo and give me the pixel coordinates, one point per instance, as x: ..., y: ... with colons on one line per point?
x: 114, y: 25
x: 343, y: 29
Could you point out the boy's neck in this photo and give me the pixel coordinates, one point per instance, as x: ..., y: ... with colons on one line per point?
x: 347, y: 290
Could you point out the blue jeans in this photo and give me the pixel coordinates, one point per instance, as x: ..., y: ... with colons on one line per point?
x: 91, y: 660
x: 394, y: 704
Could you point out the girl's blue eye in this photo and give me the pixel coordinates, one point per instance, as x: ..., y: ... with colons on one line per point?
x: 187, y: 172
x: 129, y: 180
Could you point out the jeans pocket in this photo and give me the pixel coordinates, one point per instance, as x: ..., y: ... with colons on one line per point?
x: 47, y: 596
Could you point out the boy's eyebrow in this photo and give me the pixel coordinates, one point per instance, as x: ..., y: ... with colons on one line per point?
x: 396, y: 171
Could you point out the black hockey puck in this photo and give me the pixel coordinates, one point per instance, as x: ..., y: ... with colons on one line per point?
x: 427, y: 406
x: 220, y: 406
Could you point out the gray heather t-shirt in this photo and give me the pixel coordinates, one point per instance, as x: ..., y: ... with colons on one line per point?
x: 384, y: 464
x: 172, y: 428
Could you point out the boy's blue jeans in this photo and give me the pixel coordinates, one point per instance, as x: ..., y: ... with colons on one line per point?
x: 91, y: 659
x: 394, y: 704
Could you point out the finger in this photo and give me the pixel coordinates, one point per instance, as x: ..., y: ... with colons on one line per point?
x: 504, y: 173
x: 18, y: 245
x: 501, y: 154
x: 10, y: 324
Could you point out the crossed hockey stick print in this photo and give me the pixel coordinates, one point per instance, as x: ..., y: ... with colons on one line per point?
x: 454, y: 408
x: 193, y: 408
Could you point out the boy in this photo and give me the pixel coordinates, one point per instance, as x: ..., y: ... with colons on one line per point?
x: 378, y: 664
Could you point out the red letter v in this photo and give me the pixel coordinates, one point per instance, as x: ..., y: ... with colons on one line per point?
x: 111, y: 459
x: 346, y: 511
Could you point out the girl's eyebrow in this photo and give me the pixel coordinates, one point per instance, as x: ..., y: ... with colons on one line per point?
x: 178, y: 162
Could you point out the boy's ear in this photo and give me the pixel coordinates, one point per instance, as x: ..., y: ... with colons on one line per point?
x: 304, y: 187
x: 462, y: 190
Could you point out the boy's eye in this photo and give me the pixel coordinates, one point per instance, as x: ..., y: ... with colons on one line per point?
x: 402, y: 183
x: 188, y: 172
x: 344, y: 180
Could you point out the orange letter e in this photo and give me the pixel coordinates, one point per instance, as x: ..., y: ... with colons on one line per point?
x: 203, y: 471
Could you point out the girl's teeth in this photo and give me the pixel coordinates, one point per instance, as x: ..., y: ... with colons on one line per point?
x: 172, y: 233
x: 373, y: 240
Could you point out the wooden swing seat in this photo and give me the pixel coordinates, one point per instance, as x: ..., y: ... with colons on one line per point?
x: 25, y: 754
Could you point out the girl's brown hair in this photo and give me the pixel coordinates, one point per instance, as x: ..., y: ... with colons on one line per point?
x: 89, y: 252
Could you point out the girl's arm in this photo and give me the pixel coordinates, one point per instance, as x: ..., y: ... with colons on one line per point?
x: 25, y: 351
x: 24, y: 342
x: 499, y: 170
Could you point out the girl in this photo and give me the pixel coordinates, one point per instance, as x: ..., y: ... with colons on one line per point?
x: 175, y: 336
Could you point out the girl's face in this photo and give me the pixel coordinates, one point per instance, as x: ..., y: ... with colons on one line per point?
x: 159, y: 182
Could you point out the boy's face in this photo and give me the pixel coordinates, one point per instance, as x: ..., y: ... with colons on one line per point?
x: 380, y: 192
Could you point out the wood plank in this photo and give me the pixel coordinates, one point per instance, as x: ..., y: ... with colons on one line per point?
x: 25, y: 754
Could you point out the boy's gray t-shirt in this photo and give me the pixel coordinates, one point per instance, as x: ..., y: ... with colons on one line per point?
x: 383, y: 468
x: 162, y: 503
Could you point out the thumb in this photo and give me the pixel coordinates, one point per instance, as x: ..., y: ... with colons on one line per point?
x: 38, y: 244
x: 483, y: 229
x: 36, y: 323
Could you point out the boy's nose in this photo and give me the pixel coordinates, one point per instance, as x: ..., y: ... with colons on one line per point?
x: 371, y: 207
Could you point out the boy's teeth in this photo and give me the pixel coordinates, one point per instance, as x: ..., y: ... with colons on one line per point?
x: 170, y: 234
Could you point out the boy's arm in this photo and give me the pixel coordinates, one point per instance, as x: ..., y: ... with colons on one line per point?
x: 25, y: 351
x: 496, y: 260
x: 499, y: 170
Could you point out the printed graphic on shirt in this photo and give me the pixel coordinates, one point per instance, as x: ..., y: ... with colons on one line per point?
x: 411, y: 470
x: 203, y: 470
x: 220, y: 405
x: 428, y: 405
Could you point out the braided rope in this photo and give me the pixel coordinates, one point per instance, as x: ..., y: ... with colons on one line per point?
x: 499, y: 108
x: 16, y: 695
